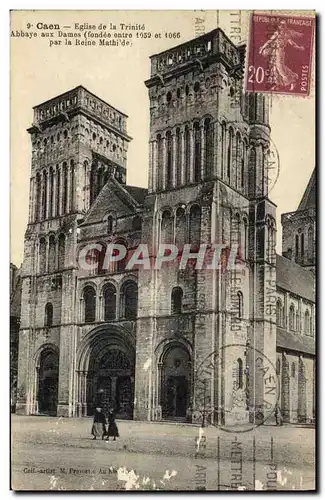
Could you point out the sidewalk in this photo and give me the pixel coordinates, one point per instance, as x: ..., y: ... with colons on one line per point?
x: 291, y: 445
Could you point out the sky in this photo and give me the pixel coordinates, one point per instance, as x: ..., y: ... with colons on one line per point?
x: 40, y: 71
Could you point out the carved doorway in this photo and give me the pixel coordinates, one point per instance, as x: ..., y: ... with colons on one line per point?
x: 48, y: 376
x: 111, y: 383
x: 175, y: 382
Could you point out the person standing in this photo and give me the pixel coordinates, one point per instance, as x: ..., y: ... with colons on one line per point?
x: 278, y: 415
x: 112, y: 427
x: 98, y: 428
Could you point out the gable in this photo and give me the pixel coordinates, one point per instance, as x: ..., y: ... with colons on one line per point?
x: 112, y: 198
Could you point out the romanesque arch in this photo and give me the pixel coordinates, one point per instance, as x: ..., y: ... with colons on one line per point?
x: 175, y: 380
x: 47, y: 378
x: 105, y: 371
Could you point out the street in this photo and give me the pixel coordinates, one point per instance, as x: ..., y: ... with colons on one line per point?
x: 51, y: 453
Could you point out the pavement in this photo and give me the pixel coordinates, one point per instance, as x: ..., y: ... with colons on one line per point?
x: 51, y: 453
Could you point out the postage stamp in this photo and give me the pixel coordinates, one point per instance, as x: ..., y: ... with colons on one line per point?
x: 279, y: 58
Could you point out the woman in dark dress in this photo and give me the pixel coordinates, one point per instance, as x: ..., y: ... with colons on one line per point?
x: 112, y: 427
x: 98, y: 428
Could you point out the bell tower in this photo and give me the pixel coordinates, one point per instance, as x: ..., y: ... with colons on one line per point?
x: 78, y: 141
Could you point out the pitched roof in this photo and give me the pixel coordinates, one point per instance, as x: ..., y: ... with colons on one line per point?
x: 137, y: 193
x: 294, y: 278
x: 124, y: 200
x: 295, y: 341
x: 308, y: 199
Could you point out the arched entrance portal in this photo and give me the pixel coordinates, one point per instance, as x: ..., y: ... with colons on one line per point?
x: 48, y: 376
x: 175, y: 382
x: 106, y: 374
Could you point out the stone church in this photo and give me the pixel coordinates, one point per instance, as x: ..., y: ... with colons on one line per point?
x: 134, y: 339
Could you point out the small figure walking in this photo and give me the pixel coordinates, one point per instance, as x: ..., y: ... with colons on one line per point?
x: 98, y: 428
x: 112, y: 427
x: 278, y: 415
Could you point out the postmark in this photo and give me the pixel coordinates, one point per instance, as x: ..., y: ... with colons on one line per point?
x: 248, y: 393
x: 279, y: 58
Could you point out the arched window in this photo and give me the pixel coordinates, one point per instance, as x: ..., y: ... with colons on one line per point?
x: 71, y: 208
x: 279, y: 313
x: 195, y: 226
x: 65, y: 188
x: 48, y: 321
x: 129, y: 298
x: 160, y: 170
x: 101, y: 259
x: 187, y: 156
x: 42, y: 255
x: 239, y: 155
x: 109, y: 295
x: 240, y: 305
x: 223, y: 148
x: 181, y: 229
x: 229, y: 154
x: 109, y: 224
x: 292, y: 318
x: 177, y: 300
x: 44, y: 195
x: 89, y: 296
x: 197, y: 152
x: 61, y: 252
x: 38, y: 197
x: 307, y: 323
x: 302, y: 246
x: 120, y: 264
x: 293, y: 370
x: 240, y: 373
x: 167, y: 230
x: 178, y: 157
x: 245, y: 250
x: 311, y: 243
x: 52, y: 254
x: 252, y: 170
x: 50, y: 214
x: 169, y: 159
x: 58, y: 190
x: 297, y: 248
x: 208, y: 152
x: 136, y: 223
x: 243, y: 163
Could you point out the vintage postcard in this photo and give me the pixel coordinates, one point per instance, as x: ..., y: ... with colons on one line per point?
x: 163, y: 250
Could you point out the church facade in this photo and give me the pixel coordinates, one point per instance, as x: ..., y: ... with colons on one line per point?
x: 135, y: 339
